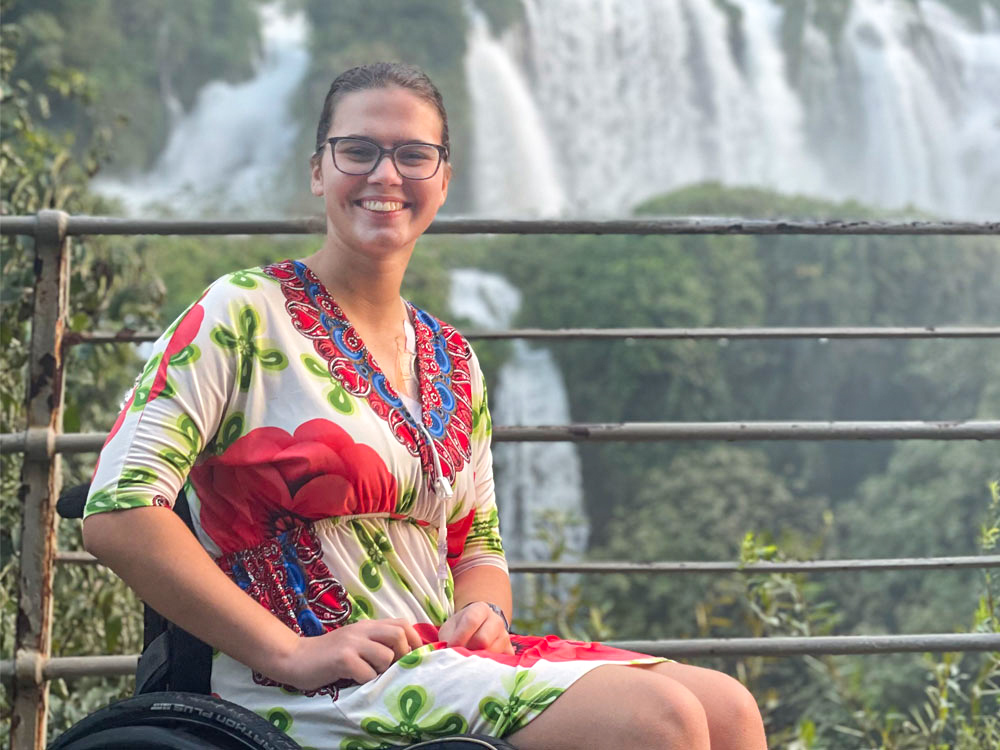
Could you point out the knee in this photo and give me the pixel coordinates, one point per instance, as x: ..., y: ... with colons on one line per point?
x: 672, y: 717
x: 738, y: 718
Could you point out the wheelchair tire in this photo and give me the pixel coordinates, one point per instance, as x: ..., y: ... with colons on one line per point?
x: 173, y: 720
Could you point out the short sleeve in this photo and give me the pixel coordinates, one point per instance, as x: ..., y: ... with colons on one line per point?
x: 174, y: 408
x: 483, y: 545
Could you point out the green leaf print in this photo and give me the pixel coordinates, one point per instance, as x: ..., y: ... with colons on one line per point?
x: 415, y: 719
x: 486, y: 531
x: 247, y: 279
x: 337, y: 397
x: 230, y: 431
x: 415, y: 657
x: 510, y: 713
x: 248, y: 346
x: 482, y: 424
x: 361, y: 608
x: 407, y: 499
x: 120, y: 496
x: 145, y: 384
x: 183, y: 459
x: 340, y: 399
x: 186, y: 356
x: 370, y: 576
x: 359, y: 743
x: 378, y: 547
x: 434, y: 611
x: 136, y: 475
x: 279, y: 717
x: 314, y: 366
x: 399, y: 578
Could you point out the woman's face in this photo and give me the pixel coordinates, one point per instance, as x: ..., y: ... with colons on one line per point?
x: 381, y: 211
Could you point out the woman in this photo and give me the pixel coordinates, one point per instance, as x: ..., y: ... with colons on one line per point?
x: 334, y: 441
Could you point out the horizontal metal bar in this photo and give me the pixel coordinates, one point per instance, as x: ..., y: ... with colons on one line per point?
x: 74, y: 557
x: 68, y: 667
x: 652, y: 431
x: 87, y: 442
x: 887, y: 332
x: 84, y: 225
x: 111, y: 666
x: 790, y: 566
x: 802, y: 646
x: 125, y: 336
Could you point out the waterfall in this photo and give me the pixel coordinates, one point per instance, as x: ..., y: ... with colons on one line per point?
x: 535, y: 482
x: 900, y: 107
x: 227, y: 154
x: 514, y: 172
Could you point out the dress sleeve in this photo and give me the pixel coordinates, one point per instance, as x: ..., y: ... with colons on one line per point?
x: 483, y: 545
x: 174, y: 409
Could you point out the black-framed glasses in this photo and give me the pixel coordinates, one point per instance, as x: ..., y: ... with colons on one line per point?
x: 359, y: 156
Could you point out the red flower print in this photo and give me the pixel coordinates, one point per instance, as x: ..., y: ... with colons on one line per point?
x: 269, y: 479
x: 458, y: 532
x: 182, y: 336
x: 530, y: 649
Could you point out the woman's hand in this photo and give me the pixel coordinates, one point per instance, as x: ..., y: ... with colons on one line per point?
x: 359, y: 652
x: 477, y: 627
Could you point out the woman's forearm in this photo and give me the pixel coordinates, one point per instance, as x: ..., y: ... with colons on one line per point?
x: 157, y: 555
x: 484, y: 583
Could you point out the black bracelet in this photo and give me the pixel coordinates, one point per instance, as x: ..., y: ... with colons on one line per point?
x: 496, y: 609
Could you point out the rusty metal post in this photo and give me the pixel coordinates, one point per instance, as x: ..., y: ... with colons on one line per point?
x: 40, y: 479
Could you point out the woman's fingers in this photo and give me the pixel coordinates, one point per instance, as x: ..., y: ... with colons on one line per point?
x: 462, y: 626
x: 378, y: 656
x: 477, y: 627
x: 360, y: 671
x: 501, y: 644
x: 489, y: 633
x: 398, y: 635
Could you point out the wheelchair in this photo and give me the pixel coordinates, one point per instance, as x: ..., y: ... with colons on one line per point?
x: 172, y: 708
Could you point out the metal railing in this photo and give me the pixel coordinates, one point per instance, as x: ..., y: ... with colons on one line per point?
x: 33, y: 667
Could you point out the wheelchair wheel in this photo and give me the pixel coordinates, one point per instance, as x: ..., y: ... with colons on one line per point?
x: 174, y: 721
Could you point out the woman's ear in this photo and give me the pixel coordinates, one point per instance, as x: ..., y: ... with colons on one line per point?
x: 445, y: 179
x: 316, y: 174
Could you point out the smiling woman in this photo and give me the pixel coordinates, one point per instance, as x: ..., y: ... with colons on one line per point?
x: 333, y: 441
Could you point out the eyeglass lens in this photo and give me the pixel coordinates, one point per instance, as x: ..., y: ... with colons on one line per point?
x: 415, y: 161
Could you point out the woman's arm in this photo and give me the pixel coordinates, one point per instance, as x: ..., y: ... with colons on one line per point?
x: 483, y: 583
x: 152, y: 550
x: 474, y: 625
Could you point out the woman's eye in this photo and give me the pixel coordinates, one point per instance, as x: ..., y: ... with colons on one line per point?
x: 413, y: 156
x: 359, y: 154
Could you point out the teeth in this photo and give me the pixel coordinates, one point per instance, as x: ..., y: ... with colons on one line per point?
x: 382, y: 205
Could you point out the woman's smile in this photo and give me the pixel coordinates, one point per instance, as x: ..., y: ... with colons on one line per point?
x: 380, y: 211
x: 387, y: 207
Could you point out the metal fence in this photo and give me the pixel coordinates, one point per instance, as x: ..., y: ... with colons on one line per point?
x: 42, y: 442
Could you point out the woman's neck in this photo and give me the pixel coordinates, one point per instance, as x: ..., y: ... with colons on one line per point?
x: 366, y: 288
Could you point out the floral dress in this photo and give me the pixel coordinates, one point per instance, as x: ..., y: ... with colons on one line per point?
x: 327, y: 499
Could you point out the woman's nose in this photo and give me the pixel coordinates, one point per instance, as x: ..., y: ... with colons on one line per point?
x: 385, y: 172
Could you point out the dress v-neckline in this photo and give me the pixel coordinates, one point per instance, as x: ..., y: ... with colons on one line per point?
x: 341, y: 321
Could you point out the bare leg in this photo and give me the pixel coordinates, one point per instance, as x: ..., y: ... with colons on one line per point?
x: 734, y: 721
x: 620, y: 707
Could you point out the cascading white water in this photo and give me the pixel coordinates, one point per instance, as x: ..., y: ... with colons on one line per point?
x: 641, y: 97
x: 535, y: 482
x: 505, y: 127
x: 228, y: 153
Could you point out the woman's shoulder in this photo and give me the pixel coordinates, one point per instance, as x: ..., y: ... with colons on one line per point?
x: 253, y: 285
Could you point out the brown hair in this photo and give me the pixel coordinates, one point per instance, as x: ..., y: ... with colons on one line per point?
x: 379, y: 76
